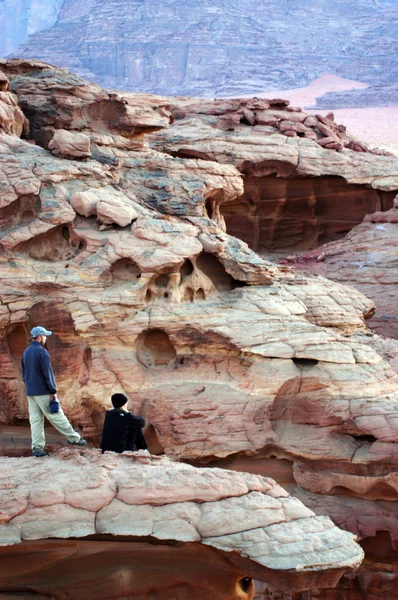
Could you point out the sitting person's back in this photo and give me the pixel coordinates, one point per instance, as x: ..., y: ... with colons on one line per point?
x: 122, y: 430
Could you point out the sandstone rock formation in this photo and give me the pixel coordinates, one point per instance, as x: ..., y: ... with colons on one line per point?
x: 366, y: 258
x: 232, y: 360
x: 257, y: 528
x: 297, y: 194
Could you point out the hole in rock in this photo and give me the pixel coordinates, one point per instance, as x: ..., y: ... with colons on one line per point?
x: 379, y: 548
x: 186, y: 270
x: 209, y: 207
x: 125, y: 269
x: 188, y: 295
x: 154, y: 349
x: 245, y: 584
x: 21, y: 211
x: 286, y: 214
x: 244, y: 121
x: 200, y: 294
x: 17, y: 341
x: 215, y: 271
x: 364, y: 438
x: 56, y: 244
x: 305, y: 363
x: 148, y: 296
x: 163, y: 280
x: 152, y: 439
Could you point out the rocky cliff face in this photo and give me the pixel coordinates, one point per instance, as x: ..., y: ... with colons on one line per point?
x: 215, y: 48
x: 21, y: 18
x: 122, y: 249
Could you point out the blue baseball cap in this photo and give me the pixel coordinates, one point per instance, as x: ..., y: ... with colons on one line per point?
x: 39, y: 330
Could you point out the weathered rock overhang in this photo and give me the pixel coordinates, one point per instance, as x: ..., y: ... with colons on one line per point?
x: 244, y: 525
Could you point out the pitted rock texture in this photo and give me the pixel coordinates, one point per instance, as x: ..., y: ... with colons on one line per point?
x: 124, y: 256
x: 138, y: 496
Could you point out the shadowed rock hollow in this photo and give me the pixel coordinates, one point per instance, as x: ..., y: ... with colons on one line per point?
x: 232, y: 360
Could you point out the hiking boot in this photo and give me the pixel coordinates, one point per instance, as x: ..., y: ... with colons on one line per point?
x: 80, y: 442
x: 39, y: 452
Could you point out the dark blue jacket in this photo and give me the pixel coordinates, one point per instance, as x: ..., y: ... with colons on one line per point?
x: 122, y: 431
x: 37, y: 371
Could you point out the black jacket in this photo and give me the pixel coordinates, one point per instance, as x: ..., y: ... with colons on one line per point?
x: 121, y: 431
x: 37, y: 371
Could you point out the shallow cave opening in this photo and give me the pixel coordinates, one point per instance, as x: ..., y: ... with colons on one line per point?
x: 125, y: 269
x: 155, y: 349
x: 215, y: 271
x: 20, y: 212
x: 163, y: 280
x: 277, y: 214
x: 17, y: 340
x: 59, y: 243
x: 186, y: 270
x: 152, y: 439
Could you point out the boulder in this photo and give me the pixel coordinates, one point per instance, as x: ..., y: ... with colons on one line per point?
x: 70, y: 145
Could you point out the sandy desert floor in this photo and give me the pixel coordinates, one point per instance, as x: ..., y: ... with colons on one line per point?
x: 377, y: 126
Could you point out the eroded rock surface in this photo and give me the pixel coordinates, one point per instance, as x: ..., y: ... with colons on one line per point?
x: 303, y: 186
x: 366, y: 258
x: 230, y: 358
x: 265, y: 530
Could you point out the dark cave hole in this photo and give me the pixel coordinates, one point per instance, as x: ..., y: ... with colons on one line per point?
x: 305, y: 363
x: 215, y: 271
x: 186, y: 269
x: 209, y: 207
x: 244, y: 121
x: 245, y: 584
x: 364, y: 438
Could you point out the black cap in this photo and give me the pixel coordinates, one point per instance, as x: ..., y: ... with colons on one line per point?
x: 119, y: 400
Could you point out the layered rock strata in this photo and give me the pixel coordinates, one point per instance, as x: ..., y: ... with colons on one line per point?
x: 298, y: 194
x: 256, y: 527
x: 206, y: 49
x: 366, y: 258
x: 231, y: 359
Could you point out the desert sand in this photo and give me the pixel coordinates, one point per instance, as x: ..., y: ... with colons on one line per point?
x: 377, y: 126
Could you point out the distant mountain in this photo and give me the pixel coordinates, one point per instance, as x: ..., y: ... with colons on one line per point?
x: 218, y: 47
x: 20, y: 18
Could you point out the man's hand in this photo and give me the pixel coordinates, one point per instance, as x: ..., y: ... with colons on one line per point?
x: 53, y: 397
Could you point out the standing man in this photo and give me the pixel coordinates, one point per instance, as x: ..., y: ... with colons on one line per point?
x: 40, y: 386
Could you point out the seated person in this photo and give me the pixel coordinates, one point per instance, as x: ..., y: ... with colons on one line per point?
x: 122, y: 430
